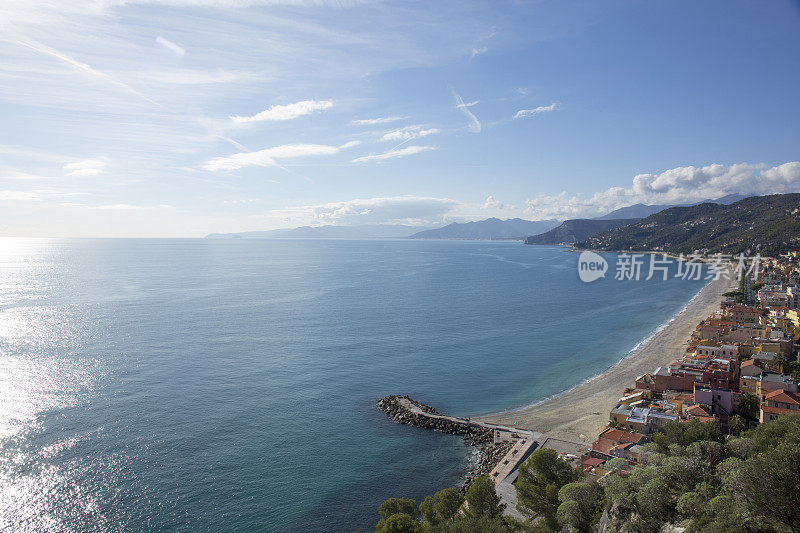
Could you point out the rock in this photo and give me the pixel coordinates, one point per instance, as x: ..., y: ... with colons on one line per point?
x: 488, y: 454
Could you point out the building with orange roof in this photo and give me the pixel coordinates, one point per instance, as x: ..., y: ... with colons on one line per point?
x: 779, y: 402
x: 742, y: 314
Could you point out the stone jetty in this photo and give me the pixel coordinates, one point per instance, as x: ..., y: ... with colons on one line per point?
x: 404, y: 410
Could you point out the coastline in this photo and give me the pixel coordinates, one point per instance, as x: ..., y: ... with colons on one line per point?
x: 578, y: 414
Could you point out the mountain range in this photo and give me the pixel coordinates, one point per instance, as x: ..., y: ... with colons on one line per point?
x: 579, y: 229
x: 643, y: 210
x: 491, y: 228
x: 769, y: 225
x: 367, y: 231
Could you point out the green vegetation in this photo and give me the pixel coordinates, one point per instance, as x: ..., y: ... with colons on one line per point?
x: 443, y: 513
x: 769, y: 225
x: 748, y: 406
x: 575, y: 230
x: 738, y: 296
x: 694, y: 477
x: 539, y: 483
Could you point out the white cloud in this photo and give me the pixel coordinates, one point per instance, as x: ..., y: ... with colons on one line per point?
x: 408, y: 133
x: 373, y: 121
x: 492, y: 203
x: 474, y: 123
x: 184, y: 76
x: 681, y: 185
x: 79, y: 65
x: 130, y: 207
x: 86, y: 167
x: 410, y: 150
x: 415, y: 210
x: 271, y: 156
x: 13, y: 174
x: 18, y: 196
x: 286, y: 112
x: 172, y: 47
x: 478, y: 51
x: 522, y: 113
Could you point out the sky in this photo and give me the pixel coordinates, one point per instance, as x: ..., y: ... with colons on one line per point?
x: 179, y: 118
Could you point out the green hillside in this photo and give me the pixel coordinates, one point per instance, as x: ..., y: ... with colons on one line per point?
x: 571, y: 231
x: 769, y: 225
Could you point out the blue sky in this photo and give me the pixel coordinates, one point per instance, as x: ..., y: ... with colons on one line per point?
x: 185, y: 117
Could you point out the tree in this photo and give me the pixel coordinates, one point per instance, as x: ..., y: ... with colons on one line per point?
x: 443, y: 507
x: 539, y: 481
x: 482, y: 499
x: 483, y: 524
x: 685, y: 433
x: 749, y: 406
x: 785, y: 429
x: 448, y: 503
x: 429, y: 512
x: 769, y: 484
x: 654, y: 501
x: 780, y: 360
x: 616, y: 464
x: 691, y: 504
x: 581, y: 505
x: 737, y: 424
x: 398, y: 523
x: 394, y: 506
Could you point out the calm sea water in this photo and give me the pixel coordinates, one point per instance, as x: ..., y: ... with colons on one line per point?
x: 167, y: 385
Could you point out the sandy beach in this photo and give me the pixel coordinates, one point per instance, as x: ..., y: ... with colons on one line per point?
x: 579, y: 414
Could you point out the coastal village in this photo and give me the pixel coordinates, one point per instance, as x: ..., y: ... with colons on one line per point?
x: 739, y: 368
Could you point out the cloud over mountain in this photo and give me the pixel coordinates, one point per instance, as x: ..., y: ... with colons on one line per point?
x: 678, y: 185
x: 392, y: 210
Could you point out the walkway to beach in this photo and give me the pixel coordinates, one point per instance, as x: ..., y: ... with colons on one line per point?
x: 505, y: 472
x: 469, y: 422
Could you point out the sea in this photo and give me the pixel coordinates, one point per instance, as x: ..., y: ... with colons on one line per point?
x: 231, y: 385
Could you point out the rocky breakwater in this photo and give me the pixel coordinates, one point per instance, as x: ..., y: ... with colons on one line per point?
x: 487, y: 453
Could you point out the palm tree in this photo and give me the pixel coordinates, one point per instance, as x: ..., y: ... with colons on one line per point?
x: 737, y: 424
x: 749, y: 405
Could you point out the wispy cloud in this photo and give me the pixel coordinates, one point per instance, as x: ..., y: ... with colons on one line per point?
x: 522, y: 113
x: 271, y: 156
x: 18, y: 196
x: 86, y: 167
x: 408, y: 133
x: 474, y: 124
x: 80, y: 66
x: 131, y: 207
x: 373, y: 121
x: 185, y: 76
x: 478, y: 51
x: 410, y: 150
x: 172, y: 47
x: 286, y: 112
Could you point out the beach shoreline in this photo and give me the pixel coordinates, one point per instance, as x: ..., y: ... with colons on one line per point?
x: 578, y: 414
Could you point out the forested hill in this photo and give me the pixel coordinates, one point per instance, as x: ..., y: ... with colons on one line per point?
x: 769, y: 225
x: 579, y: 229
